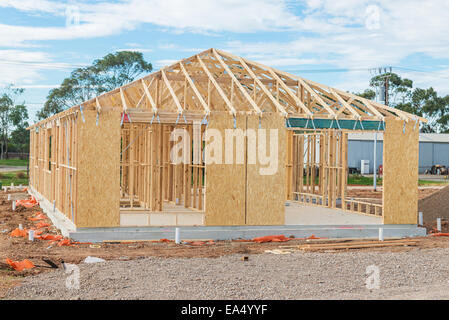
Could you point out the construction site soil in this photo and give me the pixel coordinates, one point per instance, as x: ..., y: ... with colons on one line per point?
x: 57, y: 252
x: 436, y: 205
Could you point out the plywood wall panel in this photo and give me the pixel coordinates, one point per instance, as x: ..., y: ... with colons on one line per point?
x: 225, y: 183
x: 400, y: 172
x: 266, y: 193
x: 98, y: 175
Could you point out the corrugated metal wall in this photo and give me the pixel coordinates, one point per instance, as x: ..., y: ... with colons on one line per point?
x: 430, y: 153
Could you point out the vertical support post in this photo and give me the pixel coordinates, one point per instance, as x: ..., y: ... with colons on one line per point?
x: 375, y: 162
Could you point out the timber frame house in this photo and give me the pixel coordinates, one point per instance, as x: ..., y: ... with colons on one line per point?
x: 106, y: 162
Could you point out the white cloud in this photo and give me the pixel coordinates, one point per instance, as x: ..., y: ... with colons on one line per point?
x: 136, y: 49
x: 404, y: 28
x: 338, y: 33
x: 104, y: 19
x: 26, y: 67
x: 33, y: 5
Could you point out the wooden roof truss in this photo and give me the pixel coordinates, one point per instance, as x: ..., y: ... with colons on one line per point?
x: 215, y: 80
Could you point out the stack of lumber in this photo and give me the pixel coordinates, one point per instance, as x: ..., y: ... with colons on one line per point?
x: 357, y: 245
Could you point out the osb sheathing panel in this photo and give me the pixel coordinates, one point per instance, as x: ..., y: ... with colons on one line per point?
x: 400, y: 172
x: 98, y: 170
x: 225, y: 183
x: 266, y: 192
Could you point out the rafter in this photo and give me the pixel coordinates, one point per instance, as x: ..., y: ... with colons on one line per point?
x: 278, y: 106
x: 148, y: 95
x: 122, y: 97
x: 170, y: 89
x: 194, y: 88
x: 214, y: 80
x: 219, y: 89
x: 242, y: 90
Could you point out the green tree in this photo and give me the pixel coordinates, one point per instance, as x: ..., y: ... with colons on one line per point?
x: 8, y: 114
x: 115, y: 70
x: 427, y: 103
x: 422, y: 102
x: 108, y: 73
x: 400, y: 89
x: 20, y: 137
x: 367, y: 94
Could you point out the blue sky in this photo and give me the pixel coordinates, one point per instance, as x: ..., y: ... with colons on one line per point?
x: 335, y: 42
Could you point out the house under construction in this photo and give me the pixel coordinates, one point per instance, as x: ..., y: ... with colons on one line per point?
x: 107, y: 163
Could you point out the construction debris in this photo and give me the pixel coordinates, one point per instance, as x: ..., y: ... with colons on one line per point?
x: 90, y: 259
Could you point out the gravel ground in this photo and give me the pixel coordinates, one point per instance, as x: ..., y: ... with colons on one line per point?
x: 418, y: 273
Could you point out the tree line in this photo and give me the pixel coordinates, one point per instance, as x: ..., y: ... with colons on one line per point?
x: 105, y: 74
x: 422, y: 102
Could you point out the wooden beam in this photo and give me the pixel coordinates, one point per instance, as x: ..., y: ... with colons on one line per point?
x: 122, y: 96
x: 194, y: 88
x: 175, y: 98
x: 219, y: 89
x: 239, y: 85
x: 150, y: 98
x: 278, y: 106
x: 317, y: 97
x: 344, y: 103
x: 98, y: 106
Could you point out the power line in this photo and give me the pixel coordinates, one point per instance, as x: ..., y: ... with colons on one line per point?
x: 423, y: 71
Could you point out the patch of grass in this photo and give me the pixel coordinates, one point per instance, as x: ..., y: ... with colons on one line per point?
x: 359, y: 180
x: 13, y: 162
x: 432, y: 182
x: 13, y: 177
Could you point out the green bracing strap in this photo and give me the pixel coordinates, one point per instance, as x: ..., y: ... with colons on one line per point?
x: 365, y: 125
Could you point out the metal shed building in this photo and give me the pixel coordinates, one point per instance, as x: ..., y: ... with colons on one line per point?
x: 433, y: 149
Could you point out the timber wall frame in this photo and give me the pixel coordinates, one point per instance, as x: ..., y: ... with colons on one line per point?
x: 112, y: 151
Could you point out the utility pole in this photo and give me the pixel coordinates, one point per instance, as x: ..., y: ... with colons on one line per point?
x: 385, y: 97
x: 387, y: 77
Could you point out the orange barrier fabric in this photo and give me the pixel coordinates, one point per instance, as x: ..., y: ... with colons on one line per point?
x: 42, y: 225
x: 27, y: 203
x: 19, y: 233
x: 39, y: 216
x: 439, y: 234
x: 50, y: 237
x: 20, y: 265
x: 277, y: 238
x: 64, y: 242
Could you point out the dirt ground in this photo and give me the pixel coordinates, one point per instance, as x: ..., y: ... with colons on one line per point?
x: 372, y: 196
x: 19, y: 248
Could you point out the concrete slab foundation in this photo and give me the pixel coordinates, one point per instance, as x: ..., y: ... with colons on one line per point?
x: 300, y: 214
x: 246, y: 232
x: 301, y: 222
x: 58, y: 219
